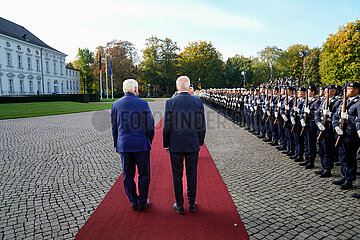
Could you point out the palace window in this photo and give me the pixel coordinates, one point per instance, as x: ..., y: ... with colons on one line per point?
x: 48, y: 87
x: 29, y: 63
x: 9, y: 59
x: 66, y: 72
x: 47, y: 67
x: 37, y: 65
x: 31, y: 86
x: 39, y: 85
x: 20, y: 61
x: 37, y: 52
x: 28, y: 50
x: 70, y: 84
x: 55, y: 68
x: 21, y: 85
x: 8, y: 44
x: 61, y: 69
x: 11, y: 85
x: 62, y: 87
x: 18, y: 47
x: 67, y: 85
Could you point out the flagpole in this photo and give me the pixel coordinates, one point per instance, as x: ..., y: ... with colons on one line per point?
x: 100, y: 73
x: 107, y: 88
x: 112, y: 82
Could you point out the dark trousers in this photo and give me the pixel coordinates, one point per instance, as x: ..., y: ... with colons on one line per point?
x: 281, y: 129
x: 327, y: 148
x: 129, y: 162
x: 311, y: 136
x: 274, y: 129
x: 177, y: 165
x: 349, y: 166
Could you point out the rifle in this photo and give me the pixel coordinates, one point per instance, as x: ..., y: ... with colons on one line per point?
x: 276, y: 121
x: 293, y: 129
x: 306, y: 117
x: 322, y: 133
x: 266, y: 99
x: 252, y: 102
x: 343, y: 121
x: 270, y: 108
x: 286, y: 105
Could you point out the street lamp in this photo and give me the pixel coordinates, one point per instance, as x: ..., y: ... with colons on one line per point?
x: 244, y: 73
x: 148, y: 85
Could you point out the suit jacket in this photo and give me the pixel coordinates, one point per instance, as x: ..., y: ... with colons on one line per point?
x: 184, y: 124
x: 132, y: 124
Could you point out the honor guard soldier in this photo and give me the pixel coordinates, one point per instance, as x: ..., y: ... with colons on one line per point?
x: 309, y: 128
x: 326, y: 134
x: 347, y: 125
x: 285, y: 114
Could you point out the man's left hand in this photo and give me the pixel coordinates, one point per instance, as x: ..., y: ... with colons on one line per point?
x: 167, y: 149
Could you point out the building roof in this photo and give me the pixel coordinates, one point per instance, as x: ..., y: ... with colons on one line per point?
x: 19, y: 32
x: 71, y: 68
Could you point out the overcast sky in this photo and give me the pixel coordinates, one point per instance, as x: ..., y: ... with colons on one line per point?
x: 233, y: 26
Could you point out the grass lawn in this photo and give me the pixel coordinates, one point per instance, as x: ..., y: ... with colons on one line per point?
x: 35, y: 109
x: 113, y: 100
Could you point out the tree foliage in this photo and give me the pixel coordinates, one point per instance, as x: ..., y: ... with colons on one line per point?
x: 202, y: 61
x: 232, y: 71
x: 84, y: 61
x: 312, y: 74
x: 340, y: 58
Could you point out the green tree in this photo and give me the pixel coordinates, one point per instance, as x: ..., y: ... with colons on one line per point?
x: 270, y: 54
x: 84, y: 61
x: 290, y: 62
x: 261, y: 73
x: 312, y: 74
x: 232, y: 72
x: 159, y: 66
x: 340, y: 58
x: 202, y: 61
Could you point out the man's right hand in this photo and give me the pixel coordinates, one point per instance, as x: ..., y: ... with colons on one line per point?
x: 167, y: 149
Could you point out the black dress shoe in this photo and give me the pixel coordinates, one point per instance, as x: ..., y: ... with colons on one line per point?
x: 299, y: 159
x: 192, y: 208
x: 281, y: 148
x: 246, y: 128
x: 319, y: 172
x: 346, y: 185
x: 274, y: 143
x: 251, y: 130
x: 290, y: 153
x: 144, y: 206
x: 267, y: 139
x: 310, y: 166
x: 135, y: 207
x: 326, y: 174
x: 337, y: 164
x: 304, y: 163
x: 339, y: 181
x: 286, y: 151
x: 261, y: 136
x: 178, y: 209
x: 294, y: 156
x: 355, y: 195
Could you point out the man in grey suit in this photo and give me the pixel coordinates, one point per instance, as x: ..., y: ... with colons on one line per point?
x: 183, y: 135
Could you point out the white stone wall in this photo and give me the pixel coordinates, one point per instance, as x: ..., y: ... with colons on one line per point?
x: 26, y: 68
x: 72, y: 84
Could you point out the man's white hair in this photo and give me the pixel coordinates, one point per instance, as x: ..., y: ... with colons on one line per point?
x: 129, y: 85
x: 183, y: 82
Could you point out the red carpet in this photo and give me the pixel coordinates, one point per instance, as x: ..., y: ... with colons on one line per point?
x: 215, y: 218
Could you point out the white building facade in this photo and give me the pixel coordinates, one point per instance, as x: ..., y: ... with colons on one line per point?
x: 28, y: 66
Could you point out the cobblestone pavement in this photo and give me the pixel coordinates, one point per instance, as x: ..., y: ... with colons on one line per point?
x: 55, y: 170
x: 276, y: 198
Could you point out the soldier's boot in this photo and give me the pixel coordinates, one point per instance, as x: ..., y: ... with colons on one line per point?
x: 347, y: 185
x: 339, y: 181
x: 326, y: 173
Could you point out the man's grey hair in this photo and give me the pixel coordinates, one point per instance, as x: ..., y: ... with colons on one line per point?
x: 183, y: 82
x: 129, y: 85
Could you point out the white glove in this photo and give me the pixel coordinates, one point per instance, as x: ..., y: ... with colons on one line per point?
x: 338, y: 130
x: 344, y: 115
x: 292, y: 119
x: 271, y: 104
x: 320, y: 126
x: 255, y: 107
x: 327, y: 112
x: 258, y: 101
x: 268, y: 113
x: 358, y: 133
x: 276, y: 114
x: 263, y: 110
x: 266, y: 102
x: 287, y: 107
x: 296, y: 109
x: 302, y: 121
x: 279, y: 104
x: 284, y: 117
x: 307, y: 110
x: 251, y: 109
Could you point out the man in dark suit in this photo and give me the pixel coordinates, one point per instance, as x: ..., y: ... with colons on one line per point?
x: 183, y: 135
x: 133, y: 132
